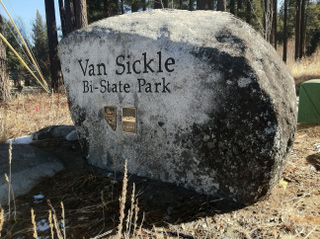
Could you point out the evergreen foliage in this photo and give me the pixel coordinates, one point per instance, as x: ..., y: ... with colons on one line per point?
x: 40, y: 45
x: 11, y: 35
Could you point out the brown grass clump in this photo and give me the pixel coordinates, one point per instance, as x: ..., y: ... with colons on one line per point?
x: 122, y: 200
x: 27, y: 113
x: 307, y: 66
x: 302, y: 70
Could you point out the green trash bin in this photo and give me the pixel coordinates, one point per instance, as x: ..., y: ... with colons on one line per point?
x: 309, y: 102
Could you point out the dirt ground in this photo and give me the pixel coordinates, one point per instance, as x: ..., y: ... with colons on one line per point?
x: 91, y: 202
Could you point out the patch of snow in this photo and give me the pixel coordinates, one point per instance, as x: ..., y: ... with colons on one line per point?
x: 26, y: 139
x: 38, y: 198
x: 42, y: 225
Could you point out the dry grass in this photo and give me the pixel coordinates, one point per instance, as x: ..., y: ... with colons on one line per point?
x: 28, y: 113
x: 308, y: 66
x: 305, y: 69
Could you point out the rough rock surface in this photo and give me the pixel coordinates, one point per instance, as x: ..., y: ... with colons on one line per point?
x: 214, y: 104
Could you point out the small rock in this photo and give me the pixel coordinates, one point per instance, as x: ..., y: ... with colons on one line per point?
x: 72, y: 136
x: 56, y: 131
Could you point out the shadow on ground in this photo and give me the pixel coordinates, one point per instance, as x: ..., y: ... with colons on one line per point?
x: 314, y: 160
x: 91, y: 198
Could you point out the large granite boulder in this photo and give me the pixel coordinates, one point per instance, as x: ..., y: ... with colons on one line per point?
x: 194, y: 98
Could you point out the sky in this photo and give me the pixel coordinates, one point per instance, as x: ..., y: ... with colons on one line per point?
x: 26, y: 11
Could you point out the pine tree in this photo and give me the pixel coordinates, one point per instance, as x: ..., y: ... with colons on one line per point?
x: 80, y: 11
x: 10, y: 34
x: 222, y: 5
x: 40, y: 45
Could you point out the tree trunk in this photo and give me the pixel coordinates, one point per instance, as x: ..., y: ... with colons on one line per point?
x: 239, y: 7
x: 157, y: 4
x: 268, y: 20
x: 232, y: 7
x: 165, y: 3
x: 122, y: 6
x: 190, y: 7
x: 285, y: 34
x: 62, y: 17
x: 248, y: 12
x: 297, y: 31
x: 222, y: 5
x: 134, y: 6
x: 110, y: 7
x: 55, y: 68
x: 208, y: 5
x: 144, y: 5
x: 4, y: 79
x: 69, y: 16
x: 4, y: 88
x: 201, y: 4
x: 106, y: 7
x: 273, y: 38
x: 302, y: 29
x: 80, y: 12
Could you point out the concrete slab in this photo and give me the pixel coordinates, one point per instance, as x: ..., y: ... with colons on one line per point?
x: 29, y: 166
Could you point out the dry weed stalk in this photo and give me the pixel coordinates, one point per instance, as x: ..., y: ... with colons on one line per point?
x: 51, y: 224
x: 142, y: 221
x: 52, y: 101
x: 122, y: 199
x: 1, y: 219
x: 3, y: 124
x: 132, y: 216
x: 63, y: 221
x: 33, y: 220
x: 10, y: 188
x: 9, y: 204
x: 130, y: 212
x: 56, y: 221
x: 9, y: 179
x: 136, y: 211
